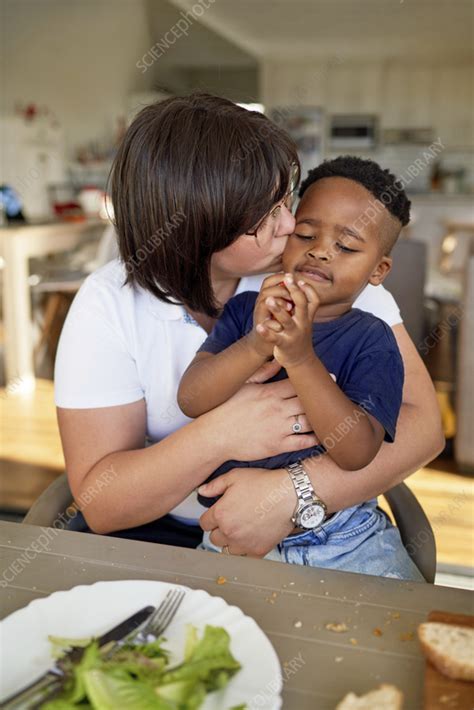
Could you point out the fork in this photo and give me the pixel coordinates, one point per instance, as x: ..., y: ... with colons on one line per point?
x: 149, y: 631
x: 155, y: 625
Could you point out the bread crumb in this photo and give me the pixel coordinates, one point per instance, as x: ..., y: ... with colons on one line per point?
x: 338, y: 659
x: 407, y: 636
x: 395, y: 614
x: 354, y: 642
x: 298, y: 624
x: 338, y: 627
x: 221, y: 580
x: 377, y: 631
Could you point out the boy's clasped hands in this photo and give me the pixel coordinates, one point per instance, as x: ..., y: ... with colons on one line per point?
x: 283, y: 327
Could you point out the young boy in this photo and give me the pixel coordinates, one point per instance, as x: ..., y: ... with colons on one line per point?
x: 344, y: 363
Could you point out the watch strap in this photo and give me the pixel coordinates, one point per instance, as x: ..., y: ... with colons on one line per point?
x: 303, y: 487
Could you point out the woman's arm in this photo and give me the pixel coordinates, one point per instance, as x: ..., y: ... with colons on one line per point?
x: 257, y: 528
x: 212, y: 379
x: 119, y: 484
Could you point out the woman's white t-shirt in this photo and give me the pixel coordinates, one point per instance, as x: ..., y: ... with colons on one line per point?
x: 121, y: 344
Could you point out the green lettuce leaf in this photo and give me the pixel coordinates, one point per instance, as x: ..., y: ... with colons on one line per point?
x: 210, y: 661
x: 185, y: 694
x: 74, y: 689
x: 139, y: 677
x: 109, y: 693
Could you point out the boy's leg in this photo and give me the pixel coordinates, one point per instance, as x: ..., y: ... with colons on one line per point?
x: 360, y: 539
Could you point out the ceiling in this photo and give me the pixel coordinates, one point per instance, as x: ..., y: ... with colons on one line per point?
x: 203, y: 46
x: 382, y: 29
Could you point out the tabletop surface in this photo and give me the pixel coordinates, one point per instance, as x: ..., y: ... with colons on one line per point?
x: 292, y: 605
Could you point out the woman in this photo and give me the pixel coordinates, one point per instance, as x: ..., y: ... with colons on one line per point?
x: 200, y: 191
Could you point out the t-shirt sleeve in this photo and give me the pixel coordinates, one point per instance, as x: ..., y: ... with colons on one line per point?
x: 376, y: 379
x: 380, y: 302
x: 94, y: 364
x: 233, y: 324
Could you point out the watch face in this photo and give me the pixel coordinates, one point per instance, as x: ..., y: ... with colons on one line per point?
x: 311, y: 516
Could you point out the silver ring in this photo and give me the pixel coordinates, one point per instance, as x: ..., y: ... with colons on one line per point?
x: 297, y: 427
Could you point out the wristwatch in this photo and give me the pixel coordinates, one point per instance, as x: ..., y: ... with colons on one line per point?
x: 310, y: 511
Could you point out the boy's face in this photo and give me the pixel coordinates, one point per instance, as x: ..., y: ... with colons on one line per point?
x: 334, y: 248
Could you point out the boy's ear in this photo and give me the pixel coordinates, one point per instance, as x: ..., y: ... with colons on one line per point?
x: 381, y: 270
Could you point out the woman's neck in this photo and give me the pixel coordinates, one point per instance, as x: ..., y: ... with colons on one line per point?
x: 223, y: 289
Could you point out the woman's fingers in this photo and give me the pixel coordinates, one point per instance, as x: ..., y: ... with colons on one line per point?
x: 302, y: 419
x: 265, y: 372
x: 218, y: 538
x: 298, y: 442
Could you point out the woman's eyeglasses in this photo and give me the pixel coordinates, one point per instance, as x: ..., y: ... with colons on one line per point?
x: 274, y: 214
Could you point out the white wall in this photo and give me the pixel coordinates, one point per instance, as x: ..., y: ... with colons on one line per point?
x: 405, y: 93
x: 76, y: 57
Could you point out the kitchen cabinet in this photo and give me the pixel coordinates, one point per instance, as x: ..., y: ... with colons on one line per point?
x: 407, y: 96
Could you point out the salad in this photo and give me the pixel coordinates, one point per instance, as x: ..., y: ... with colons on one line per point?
x: 140, y: 677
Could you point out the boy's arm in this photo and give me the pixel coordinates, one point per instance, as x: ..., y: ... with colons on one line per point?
x: 328, y: 409
x: 211, y: 379
x: 351, y: 436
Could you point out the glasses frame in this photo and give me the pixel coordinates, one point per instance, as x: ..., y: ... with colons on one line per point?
x: 273, y: 214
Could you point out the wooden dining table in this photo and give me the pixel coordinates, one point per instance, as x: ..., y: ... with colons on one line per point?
x: 333, y: 631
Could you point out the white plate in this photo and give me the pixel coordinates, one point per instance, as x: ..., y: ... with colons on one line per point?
x: 91, y: 610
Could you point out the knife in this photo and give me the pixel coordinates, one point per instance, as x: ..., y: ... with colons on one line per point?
x: 52, y: 679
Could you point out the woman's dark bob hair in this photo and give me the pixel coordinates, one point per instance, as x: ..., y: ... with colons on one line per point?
x: 192, y: 174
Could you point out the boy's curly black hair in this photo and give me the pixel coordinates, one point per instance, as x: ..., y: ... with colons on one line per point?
x: 381, y: 183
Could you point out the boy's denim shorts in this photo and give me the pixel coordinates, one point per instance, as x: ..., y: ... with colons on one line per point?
x: 358, y: 539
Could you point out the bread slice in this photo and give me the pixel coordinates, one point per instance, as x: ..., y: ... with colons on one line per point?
x: 450, y: 648
x: 385, y: 696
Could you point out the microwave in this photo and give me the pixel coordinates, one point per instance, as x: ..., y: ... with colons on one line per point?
x: 354, y: 131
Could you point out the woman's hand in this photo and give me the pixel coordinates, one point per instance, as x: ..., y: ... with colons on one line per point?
x: 255, y: 513
x: 257, y: 422
x: 293, y: 344
x: 265, y: 372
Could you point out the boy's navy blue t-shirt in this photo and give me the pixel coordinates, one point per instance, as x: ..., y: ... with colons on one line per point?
x: 359, y: 349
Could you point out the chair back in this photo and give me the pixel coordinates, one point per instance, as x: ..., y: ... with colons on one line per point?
x: 55, y: 508
x: 464, y: 441
x: 415, y: 529
x: 406, y: 283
